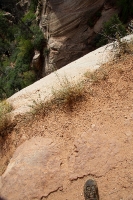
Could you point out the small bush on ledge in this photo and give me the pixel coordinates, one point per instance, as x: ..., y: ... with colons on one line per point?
x: 5, y: 109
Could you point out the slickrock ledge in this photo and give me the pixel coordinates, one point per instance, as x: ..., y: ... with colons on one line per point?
x: 42, y: 89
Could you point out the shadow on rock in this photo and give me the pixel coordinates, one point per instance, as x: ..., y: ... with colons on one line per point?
x: 1, y: 198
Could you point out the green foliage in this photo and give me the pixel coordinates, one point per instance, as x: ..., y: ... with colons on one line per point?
x: 46, y: 51
x: 111, y: 30
x: 8, y: 5
x: 38, y: 38
x: 11, y: 82
x: 26, y: 50
x: 6, y: 34
x: 3, y: 23
x: 28, y: 78
x: 33, y: 5
x: 126, y: 9
x: 29, y: 18
x: 18, y: 40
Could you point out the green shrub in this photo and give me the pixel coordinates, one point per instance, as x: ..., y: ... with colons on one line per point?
x: 38, y: 38
x: 20, y: 39
x: 29, y: 18
x: 46, y: 51
x: 111, y: 30
x: 5, y: 30
x: 28, y: 78
x: 126, y: 9
x: 25, y: 48
x: 33, y: 5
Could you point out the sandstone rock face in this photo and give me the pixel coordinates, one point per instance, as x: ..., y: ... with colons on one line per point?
x: 68, y: 27
x: 105, y: 16
x: 36, y: 61
x: 34, y: 171
x: 42, y: 166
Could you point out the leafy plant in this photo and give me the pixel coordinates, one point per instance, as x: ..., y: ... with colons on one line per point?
x: 19, y: 38
x: 112, y: 29
x: 28, y: 18
x: 38, y: 38
x: 6, y: 34
x: 28, y: 78
x: 25, y: 49
x: 126, y: 9
x: 33, y: 5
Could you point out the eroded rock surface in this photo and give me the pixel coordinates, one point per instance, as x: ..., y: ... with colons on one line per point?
x: 34, y: 171
x: 69, y: 28
x: 42, y: 166
x: 64, y: 149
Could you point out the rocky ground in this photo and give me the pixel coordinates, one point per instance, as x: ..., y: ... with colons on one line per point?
x: 57, y: 153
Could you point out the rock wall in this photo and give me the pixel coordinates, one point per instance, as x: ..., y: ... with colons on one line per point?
x: 70, y: 27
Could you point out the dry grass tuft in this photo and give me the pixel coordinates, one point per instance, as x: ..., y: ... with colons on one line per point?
x: 123, y: 47
x: 68, y: 94
x: 5, y: 119
x: 96, y: 76
x: 40, y: 107
x: 71, y: 92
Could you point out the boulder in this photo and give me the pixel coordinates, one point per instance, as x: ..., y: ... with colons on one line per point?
x: 33, y: 172
x: 36, y: 61
x: 42, y: 166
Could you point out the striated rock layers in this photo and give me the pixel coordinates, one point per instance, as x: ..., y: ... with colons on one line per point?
x: 70, y: 28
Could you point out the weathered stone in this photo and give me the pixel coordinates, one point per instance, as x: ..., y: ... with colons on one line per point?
x: 74, y: 72
x: 87, y: 151
x: 33, y: 172
x: 67, y: 25
x: 36, y: 61
x: 36, y: 169
x: 105, y: 16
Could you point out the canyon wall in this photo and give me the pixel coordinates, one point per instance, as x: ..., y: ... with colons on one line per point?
x: 70, y: 28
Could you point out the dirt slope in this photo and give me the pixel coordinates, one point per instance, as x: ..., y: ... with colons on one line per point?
x: 100, y: 127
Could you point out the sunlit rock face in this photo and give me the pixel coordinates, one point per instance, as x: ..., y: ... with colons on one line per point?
x: 69, y: 28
